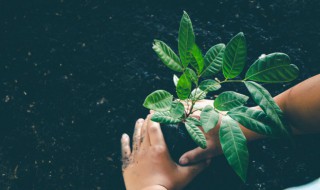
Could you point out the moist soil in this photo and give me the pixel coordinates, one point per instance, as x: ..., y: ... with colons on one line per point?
x: 74, y: 75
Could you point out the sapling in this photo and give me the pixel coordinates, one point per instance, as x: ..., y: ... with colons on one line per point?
x: 197, y: 78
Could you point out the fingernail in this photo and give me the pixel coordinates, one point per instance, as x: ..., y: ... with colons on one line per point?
x: 124, y: 135
x: 183, y: 161
x: 140, y: 120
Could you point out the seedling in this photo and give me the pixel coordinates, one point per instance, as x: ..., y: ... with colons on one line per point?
x: 199, y: 73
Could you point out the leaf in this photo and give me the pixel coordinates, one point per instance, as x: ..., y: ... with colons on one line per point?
x: 209, y: 85
x: 196, y: 58
x: 272, y: 68
x: 159, y: 100
x: 167, y: 56
x: 213, y: 60
x: 191, y: 75
x: 196, y: 134
x: 175, y: 80
x: 193, y: 120
x: 209, y: 118
x: 263, y: 98
x: 228, y: 100
x: 164, y: 117
x: 235, y: 56
x: 254, y: 120
x: 186, y: 39
x: 198, y: 94
x: 177, y: 109
x: 234, y: 146
x: 183, y: 87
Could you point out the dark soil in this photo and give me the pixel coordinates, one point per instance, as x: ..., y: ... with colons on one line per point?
x: 74, y: 74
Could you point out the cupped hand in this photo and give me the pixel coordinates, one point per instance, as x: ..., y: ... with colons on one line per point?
x: 148, y: 165
x: 213, y: 143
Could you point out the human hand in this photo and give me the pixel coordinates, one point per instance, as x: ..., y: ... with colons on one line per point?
x: 213, y: 143
x: 149, y: 165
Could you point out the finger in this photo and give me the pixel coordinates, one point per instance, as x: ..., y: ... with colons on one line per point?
x: 194, y: 156
x: 137, y: 135
x: 125, y: 150
x: 151, y: 111
x: 189, y: 172
x: 145, y: 140
x: 155, y: 134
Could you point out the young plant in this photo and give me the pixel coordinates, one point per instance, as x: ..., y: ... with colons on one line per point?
x: 231, y: 59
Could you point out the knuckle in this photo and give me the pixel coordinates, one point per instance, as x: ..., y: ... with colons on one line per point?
x: 159, y: 149
x: 154, y: 128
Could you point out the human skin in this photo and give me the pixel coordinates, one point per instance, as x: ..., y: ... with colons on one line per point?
x: 300, y: 104
x: 149, y: 166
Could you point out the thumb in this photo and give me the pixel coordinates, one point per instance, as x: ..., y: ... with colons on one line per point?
x: 189, y: 172
x: 194, y: 156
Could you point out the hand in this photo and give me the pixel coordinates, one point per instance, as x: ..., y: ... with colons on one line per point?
x: 149, y: 165
x: 213, y: 143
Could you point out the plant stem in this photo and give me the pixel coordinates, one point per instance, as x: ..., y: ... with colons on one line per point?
x: 193, y: 102
x: 225, y: 81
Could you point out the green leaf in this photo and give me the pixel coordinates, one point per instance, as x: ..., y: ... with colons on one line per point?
x: 209, y: 85
x: 254, y: 120
x: 192, y: 75
x: 196, y: 59
x: 235, y: 56
x: 263, y: 98
x: 209, y: 118
x: 193, y: 120
x: 234, y: 146
x: 175, y: 80
x: 159, y: 100
x: 183, y: 87
x: 196, y: 134
x: 167, y: 56
x: 177, y: 109
x: 186, y: 39
x: 197, y: 94
x: 164, y: 117
x: 272, y: 68
x: 213, y: 60
x: 228, y: 100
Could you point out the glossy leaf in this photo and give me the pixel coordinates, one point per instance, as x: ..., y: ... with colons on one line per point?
x: 235, y: 55
x: 186, y: 39
x: 197, y: 94
x: 209, y: 85
x: 234, y: 146
x: 167, y: 56
x: 175, y: 80
x: 196, y: 134
x: 159, y: 100
x: 255, y: 120
x: 263, y: 98
x: 193, y: 120
x: 196, y: 58
x: 209, y: 118
x: 272, y: 68
x: 191, y: 75
x: 164, y: 117
x: 177, y: 109
x: 228, y: 100
x: 183, y: 87
x: 213, y: 60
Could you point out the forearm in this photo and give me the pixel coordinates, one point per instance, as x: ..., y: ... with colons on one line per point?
x: 301, y: 106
